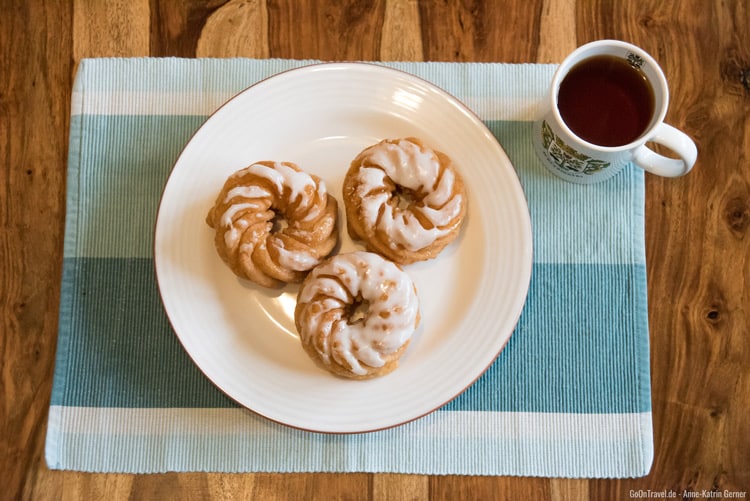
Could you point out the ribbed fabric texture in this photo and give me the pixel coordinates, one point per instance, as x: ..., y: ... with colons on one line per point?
x: 569, y: 395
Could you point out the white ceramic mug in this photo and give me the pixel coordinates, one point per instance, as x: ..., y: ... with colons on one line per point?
x: 577, y: 160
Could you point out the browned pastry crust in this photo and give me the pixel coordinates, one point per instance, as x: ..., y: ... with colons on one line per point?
x: 342, y: 370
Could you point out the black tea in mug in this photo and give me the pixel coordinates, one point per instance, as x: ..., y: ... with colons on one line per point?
x: 606, y: 100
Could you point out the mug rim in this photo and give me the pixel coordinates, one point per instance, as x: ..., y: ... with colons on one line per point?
x: 575, y: 57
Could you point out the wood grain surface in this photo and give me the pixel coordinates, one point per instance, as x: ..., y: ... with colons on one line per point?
x: 698, y: 227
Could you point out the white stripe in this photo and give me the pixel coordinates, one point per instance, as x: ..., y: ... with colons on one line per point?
x: 165, y: 421
x: 147, y: 102
x: 493, y: 91
x: 205, y: 103
x: 480, y: 443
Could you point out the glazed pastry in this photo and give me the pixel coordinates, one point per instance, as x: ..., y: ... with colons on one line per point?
x: 273, y: 223
x: 356, y: 313
x: 404, y: 200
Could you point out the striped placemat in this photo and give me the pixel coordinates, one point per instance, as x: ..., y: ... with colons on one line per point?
x: 569, y: 396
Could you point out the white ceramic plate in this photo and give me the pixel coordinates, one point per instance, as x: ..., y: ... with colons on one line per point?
x: 243, y: 336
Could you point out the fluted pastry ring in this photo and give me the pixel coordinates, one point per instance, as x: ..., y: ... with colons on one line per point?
x: 404, y: 200
x: 356, y: 313
x: 274, y: 222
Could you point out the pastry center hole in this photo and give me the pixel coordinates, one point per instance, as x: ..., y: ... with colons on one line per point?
x: 279, y: 223
x: 404, y: 197
x: 359, y: 310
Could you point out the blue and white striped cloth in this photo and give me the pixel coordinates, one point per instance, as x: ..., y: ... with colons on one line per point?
x: 568, y: 397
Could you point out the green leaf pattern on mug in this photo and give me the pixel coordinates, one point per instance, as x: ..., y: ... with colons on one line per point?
x: 566, y: 157
x: 635, y: 60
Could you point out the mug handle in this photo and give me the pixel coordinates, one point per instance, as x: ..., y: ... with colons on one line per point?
x: 675, y: 140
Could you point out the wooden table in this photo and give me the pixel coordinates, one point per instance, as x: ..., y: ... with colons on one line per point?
x: 698, y: 227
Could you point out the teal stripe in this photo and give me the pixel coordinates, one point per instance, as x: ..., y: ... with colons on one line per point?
x: 116, y: 345
x: 117, y: 171
x: 578, y: 346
